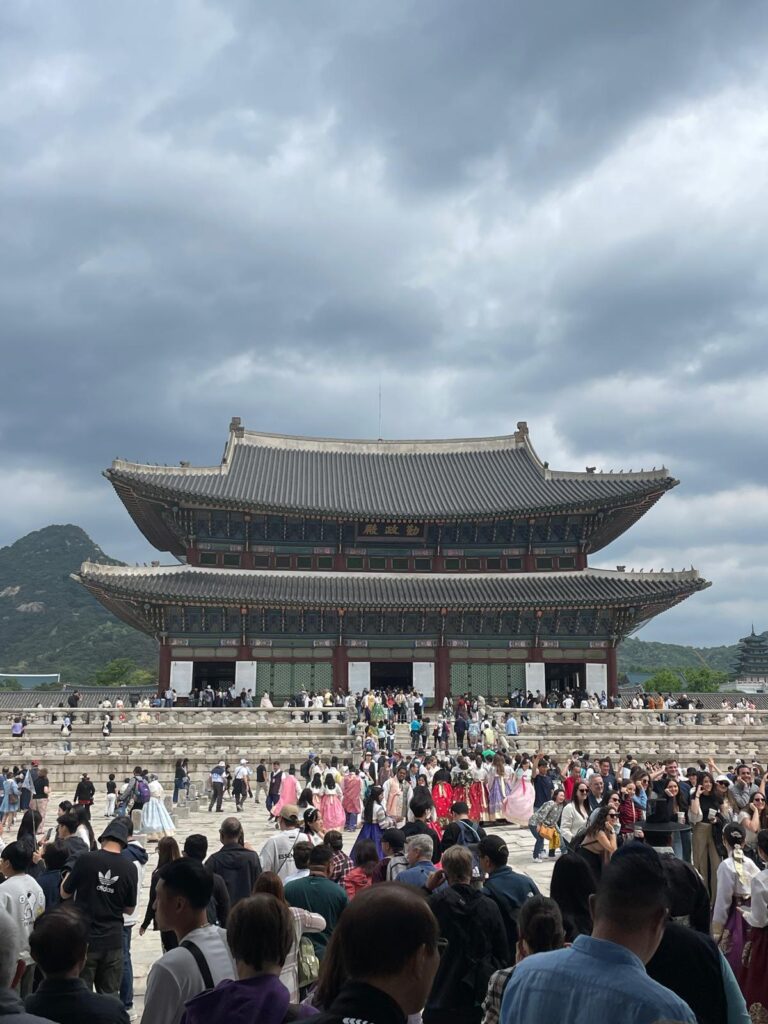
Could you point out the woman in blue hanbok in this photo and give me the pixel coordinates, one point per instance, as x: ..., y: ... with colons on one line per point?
x: 156, y: 822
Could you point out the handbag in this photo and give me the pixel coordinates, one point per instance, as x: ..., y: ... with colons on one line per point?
x: 307, y: 962
x: 546, y: 832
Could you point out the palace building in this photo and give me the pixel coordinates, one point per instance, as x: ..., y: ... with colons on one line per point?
x: 452, y: 565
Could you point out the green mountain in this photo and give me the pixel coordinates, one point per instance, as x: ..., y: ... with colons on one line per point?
x: 645, y: 655
x: 48, y: 623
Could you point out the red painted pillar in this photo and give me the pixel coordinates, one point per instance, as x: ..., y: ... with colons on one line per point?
x: 442, y: 675
x: 613, y: 675
x: 340, y: 669
x: 164, y: 670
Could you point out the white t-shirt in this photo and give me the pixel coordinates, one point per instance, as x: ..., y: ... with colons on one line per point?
x: 276, y: 854
x: 175, y: 977
x: 24, y: 900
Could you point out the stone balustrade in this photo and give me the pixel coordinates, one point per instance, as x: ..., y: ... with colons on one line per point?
x: 155, y: 737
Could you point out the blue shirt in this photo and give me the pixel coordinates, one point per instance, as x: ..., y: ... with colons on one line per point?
x: 511, y: 726
x: 418, y: 874
x: 594, y: 980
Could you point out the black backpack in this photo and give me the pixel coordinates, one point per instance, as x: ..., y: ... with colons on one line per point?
x: 470, y: 838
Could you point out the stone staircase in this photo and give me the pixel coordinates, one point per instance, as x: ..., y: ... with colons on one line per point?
x: 155, y: 738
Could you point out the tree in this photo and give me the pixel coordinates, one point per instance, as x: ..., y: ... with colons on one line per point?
x: 10, y: 684
x: 123, y: 672
x: 678, y: 680
x: 664, y: 680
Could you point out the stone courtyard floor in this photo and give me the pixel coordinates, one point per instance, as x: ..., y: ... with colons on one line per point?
x: 146, y: 949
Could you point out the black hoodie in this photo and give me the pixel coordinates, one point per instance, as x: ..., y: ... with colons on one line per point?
x: 477, y: 946
x: 238, y: 867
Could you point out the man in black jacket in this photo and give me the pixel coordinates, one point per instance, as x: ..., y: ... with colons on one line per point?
x: 237, y: 866
x: 196, y: 847
x: 59, y: 945
x: 471, y: 924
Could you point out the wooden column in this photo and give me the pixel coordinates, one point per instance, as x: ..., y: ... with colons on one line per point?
x: 613, y: 675
x: 340, y: 669
x: 442, y: 675
x: 164, y: 670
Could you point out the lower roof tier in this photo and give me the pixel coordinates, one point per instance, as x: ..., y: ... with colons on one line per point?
x: 127, y: 590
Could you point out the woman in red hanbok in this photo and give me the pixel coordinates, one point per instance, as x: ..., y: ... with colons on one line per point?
x: 442, y: 796
x: 478, y: 792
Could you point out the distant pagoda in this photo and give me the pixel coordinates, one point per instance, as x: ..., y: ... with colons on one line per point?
x: 450, y: 565
x: 752, y: 665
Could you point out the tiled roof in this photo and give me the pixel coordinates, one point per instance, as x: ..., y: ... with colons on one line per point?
x: 387, y: 590
x: 387, y: 479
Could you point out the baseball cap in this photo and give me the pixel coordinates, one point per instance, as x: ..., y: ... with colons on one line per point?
x: 290, y: 812
x: 222, y: 764
x: 723, y: 778
x: 243, y: 760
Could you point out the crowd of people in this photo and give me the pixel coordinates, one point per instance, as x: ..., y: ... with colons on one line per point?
x: 384, y: 893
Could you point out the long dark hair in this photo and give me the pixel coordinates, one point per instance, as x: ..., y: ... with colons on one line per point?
x: 582, y: 805
x: 374, y: 796
x: 81, y: 813
x: 573, y: 882
x: 30, y: 823
x: 599, y: 823
x: 306, y: 797
x: 540, y: 925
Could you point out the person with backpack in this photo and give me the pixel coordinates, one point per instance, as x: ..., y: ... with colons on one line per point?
x: 477, y: 946
x: 461, y: 831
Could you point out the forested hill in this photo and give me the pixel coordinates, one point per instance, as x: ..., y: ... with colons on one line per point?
x: 645, y: 654
x: 48, y: 623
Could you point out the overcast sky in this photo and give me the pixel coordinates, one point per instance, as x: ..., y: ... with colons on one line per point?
x: 499, y: 211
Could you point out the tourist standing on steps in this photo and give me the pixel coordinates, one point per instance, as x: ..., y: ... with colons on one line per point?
x: 202, y: 959
x: 217, y: 776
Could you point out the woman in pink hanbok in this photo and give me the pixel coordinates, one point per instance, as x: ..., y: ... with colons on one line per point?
x: 289, y: 791
x: 330, y: 806
x: 351, y: 799
x: 316, y: 786
x: 518, y: 806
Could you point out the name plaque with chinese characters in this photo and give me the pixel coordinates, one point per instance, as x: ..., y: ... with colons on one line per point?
x: 378, y: 530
